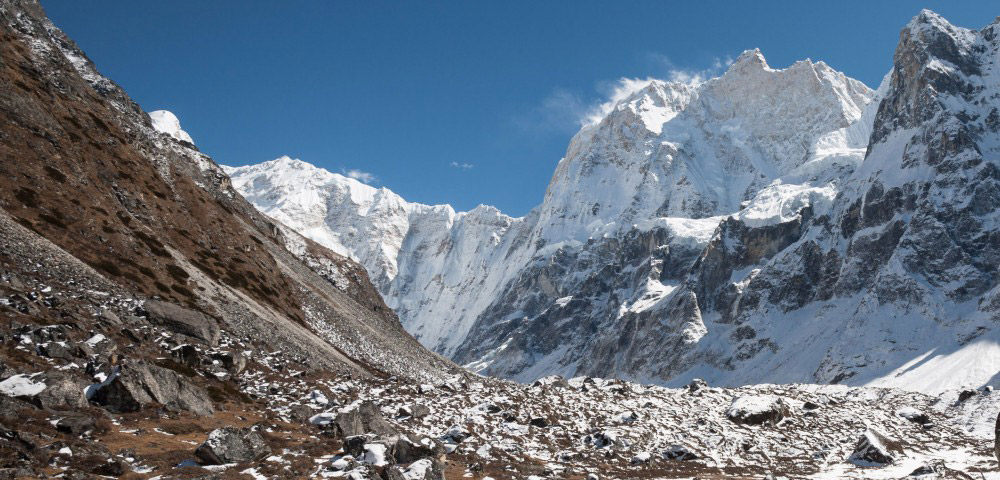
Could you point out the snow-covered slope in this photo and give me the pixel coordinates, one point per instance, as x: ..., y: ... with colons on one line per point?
x: 744, y: 229
x: 440, y: 270
x: 434, y: 266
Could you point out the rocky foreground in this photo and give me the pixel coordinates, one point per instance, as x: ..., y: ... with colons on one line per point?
x: 144, y: 389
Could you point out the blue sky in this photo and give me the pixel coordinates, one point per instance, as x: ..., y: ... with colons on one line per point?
x: 447, y: 102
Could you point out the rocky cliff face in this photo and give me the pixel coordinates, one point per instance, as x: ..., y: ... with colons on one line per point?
x: 767, y: 225
x: 899, y: 278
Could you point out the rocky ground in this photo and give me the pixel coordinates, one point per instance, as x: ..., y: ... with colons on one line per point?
x: 96, y: 382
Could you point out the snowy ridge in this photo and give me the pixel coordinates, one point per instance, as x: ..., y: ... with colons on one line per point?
x: 769, y: 225
x: 440, y: 269
x: 426, y: 260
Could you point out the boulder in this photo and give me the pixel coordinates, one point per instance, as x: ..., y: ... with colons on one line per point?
x: 696, y: 384
x: 134, y: 386
x: 75, y: 423
x: 416, y: 411
x: 758, y: 410
x: 966, y: 394
x: 61, y: 390
x: 367, y: 418
x: 59, y: 350
x: 914, y: 415
x: 182, y: 320
x: 679, y: 453
x: 423, y: 469
x: 10, y: 407
x: 875, y: 449
x: 187, y: 354
x: 46, y: 390
x: 233, y: 362
x: 411, y: 449
x: 232, y: 445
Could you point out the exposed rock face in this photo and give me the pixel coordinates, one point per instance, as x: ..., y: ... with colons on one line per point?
x: 183, y: 321
x: 232, y: 445
x: 137, y: 385
x: 99, y: 181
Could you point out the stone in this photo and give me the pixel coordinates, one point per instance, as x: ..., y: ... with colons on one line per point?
x: 10, y: 407
x: 232, y: 445
x: 61, y: 389
x: 410, y: 449
x: 415, y: 411
x: 138, y: 385
x: 696, y: 384
x: 758, y: 410
x: 966, y: 394
x: 75, y: 423
x: 233, y: 362
x: 184, y: 321
x: 875, y: 449
x: 540, y: 422
x: 59, y: 350
x: 914, y: 415
x: 367, y: 418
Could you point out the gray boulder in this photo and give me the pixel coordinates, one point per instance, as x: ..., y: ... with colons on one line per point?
x: 141, y: 384
x: 423, y: 469
x: 367, y: 418
x: 75, y: 423
x: 61, y: 390
x: 875, y: 449
x: 183, y: 321
x: 416, y: 411
x: 232, y: 445
x: 233, y: 362
x: 411, y: 449
x: 758, y: 410
x: 10, y: 407
x: 59, y: 350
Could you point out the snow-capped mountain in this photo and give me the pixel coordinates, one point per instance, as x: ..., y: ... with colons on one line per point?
x: 769, y: 225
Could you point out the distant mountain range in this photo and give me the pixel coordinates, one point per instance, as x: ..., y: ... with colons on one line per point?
x: 768, y: 225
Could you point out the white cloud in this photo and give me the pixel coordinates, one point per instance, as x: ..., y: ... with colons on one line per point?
x: 566, y: 112
x: 617, y: 92
x: 463, y: 166
x: 558, y: 112
x: 361, y: 176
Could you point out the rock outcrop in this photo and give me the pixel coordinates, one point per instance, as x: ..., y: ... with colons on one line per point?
x: 137, y: 385
x: 232, y: 445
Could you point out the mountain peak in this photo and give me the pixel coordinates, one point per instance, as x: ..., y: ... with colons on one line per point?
x: 751, y: 58
x: 939, y: 35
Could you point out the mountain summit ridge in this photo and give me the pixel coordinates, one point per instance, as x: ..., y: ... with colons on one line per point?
x: 661, y: 250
